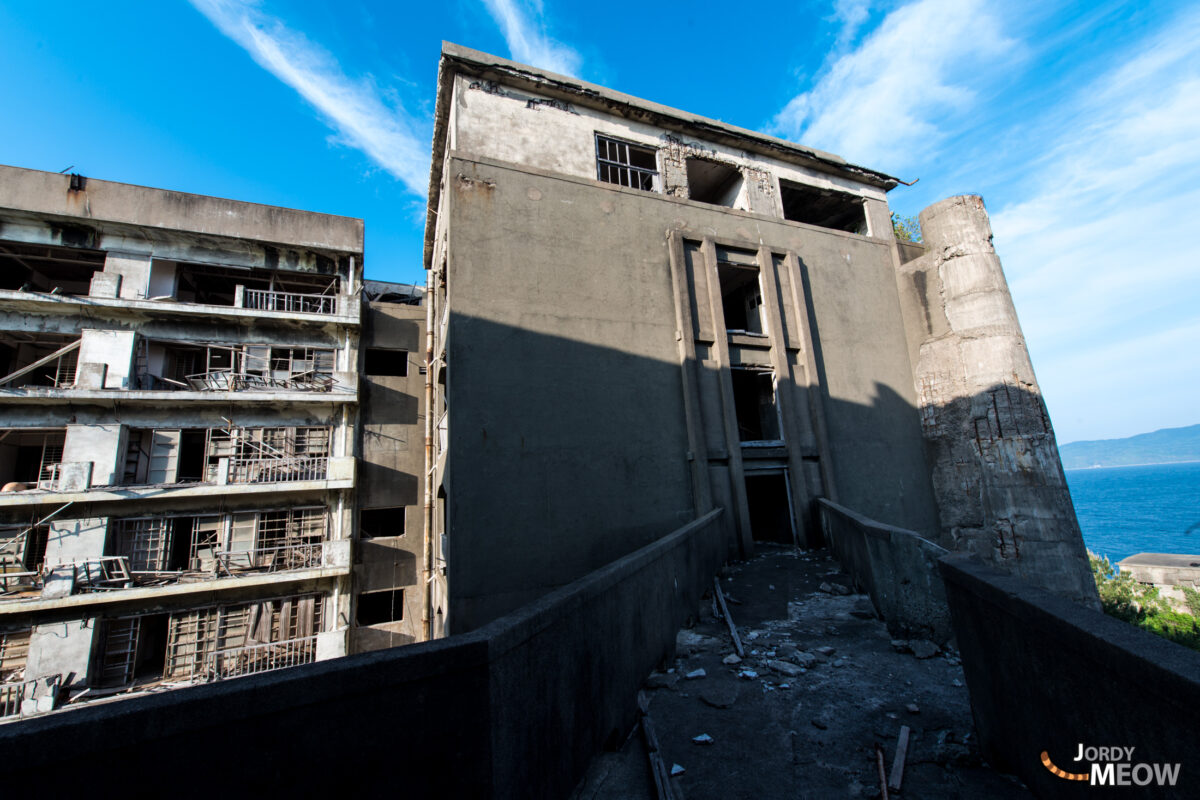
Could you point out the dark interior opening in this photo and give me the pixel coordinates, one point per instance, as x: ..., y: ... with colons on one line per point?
x: 385, y: 362
x: 192, y: 447
x: 19, y: 350
x: 152, y: 648
x: 824, y: 207
x: 741, y: 297
x: 770, y: 514
x: 28, y: 456
x: 43, y: 268
x: 375, y: 608
x: 214, y: 285
x: 754, y: 403
x: 378, y: 522
x: 713, y: 182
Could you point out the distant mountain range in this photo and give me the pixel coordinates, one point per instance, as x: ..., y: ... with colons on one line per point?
x: 1160, y: 447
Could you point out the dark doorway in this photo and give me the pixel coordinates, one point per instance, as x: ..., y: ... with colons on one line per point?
x: 770, y: 511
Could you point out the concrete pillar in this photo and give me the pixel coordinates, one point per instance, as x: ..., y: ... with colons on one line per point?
x: 997, y: 476
x: 114, y: 349
x: 134, y: 269
x: 99, y: 444
x: 61, y: 648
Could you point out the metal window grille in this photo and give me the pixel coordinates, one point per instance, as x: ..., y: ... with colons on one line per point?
x: 14, y: 650
x: 626, y: 164
x: 120, y: 651
x: 145, y: 542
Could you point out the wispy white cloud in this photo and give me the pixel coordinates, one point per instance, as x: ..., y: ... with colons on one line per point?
x: 1101, y: 250
x: 879, y: 103
x: 363, y: 116
x: 526, y: 39
x: 850, y: 15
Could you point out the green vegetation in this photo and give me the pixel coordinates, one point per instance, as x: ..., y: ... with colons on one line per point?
x: 1160, y: 447
x: 1126, y: 599
x: 907, y: 229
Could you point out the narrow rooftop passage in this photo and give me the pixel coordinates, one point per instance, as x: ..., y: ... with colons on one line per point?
x: 799, y: 716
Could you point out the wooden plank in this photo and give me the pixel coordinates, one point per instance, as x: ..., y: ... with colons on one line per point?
x: 737, y: 641
x: 883, y: 789
x: 898, y: 764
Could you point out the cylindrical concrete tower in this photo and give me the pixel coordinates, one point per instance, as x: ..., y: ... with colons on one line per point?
x: 997, y: 475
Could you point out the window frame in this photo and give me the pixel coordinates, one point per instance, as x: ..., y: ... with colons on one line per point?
x: 603, y: 161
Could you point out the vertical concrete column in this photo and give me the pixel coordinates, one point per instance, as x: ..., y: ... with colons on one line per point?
x: 114, y: 350
x: 61, y: 648
x: 99, y: 444
x: 134, y: 269
x: 997, y: 476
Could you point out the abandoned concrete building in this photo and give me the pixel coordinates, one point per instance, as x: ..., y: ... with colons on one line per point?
x: 209, y: 447
x: 640, y: 315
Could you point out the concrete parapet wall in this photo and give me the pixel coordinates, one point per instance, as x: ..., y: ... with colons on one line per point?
x: 896, y: 567
x: 1046, y: 674
x: 516, y: 708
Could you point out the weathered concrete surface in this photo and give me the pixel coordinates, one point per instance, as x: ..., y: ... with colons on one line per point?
x: 515, y: 709
x: 828, y: 684
x: 1048, y: 675
x: 568, y: 444
x: 896, y: 567
x: 999, y: 482
x: 106, y: 201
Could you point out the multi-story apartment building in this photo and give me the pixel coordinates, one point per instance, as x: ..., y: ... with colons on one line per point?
x: 640, y: 315
x: 179, y: 432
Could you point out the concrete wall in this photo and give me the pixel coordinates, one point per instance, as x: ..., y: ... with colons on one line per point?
x: 996, y: 471
x: 102, y: 445
x: 515, y: 709
x: 1047, y: 674
x: 392, y: 420
x: 106, y: 201
x: 896, y: 567
x: 114, y: 350
x: 568, y: 436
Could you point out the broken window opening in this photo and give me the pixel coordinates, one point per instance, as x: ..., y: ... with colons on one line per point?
x: 132, y: 651
x: 30, y: 458
x: 386, y: 362
x: 741, y: 297
x: 43, y: 359
x: 827, y: 208
x: 377, y: 608
x: 230, y: 368
x: 260, y: 289
x: 14, y: 652
x: 22, y: 556
x: 48, y: 269
x: 770, y: 508
x: 233, y: 640
x: 754, y: 404
x: 714, y: 182
x: 380, y: 522
x: 626, y: 164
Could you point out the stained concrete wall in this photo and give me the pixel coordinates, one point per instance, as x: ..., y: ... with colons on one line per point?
x: 1048, y: 674
x: 114, y: 350
x: 515, y: 709
x: 896, y: 567
x: 568, y: 444
x: 102, y: 445
x: 391, y: 474
x: 999, y: 482
x: 105, y: 201
x: 61, y: 648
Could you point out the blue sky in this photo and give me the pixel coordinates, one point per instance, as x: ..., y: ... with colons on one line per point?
x: 1079, y: 123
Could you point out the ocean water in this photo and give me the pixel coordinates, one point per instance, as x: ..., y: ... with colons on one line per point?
x: 1127, y: 510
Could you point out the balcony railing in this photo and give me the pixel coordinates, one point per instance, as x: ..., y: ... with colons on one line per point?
x: 278, y: 470
x: 224, y: 381
x: 264, y: 300
x: 14, y: 695
x: 252, y: 659
x: 270, y: 559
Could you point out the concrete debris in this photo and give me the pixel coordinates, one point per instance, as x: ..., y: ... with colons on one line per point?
x: 677, y: 770
x: 901, y: 646
x: 923, y: 648
x: 840, y: 589
x: 696, y: 673
x: 722, y: 696
x: 841, y: 662
x: 748, y: 674
x: 825, y: 587
x: 785, y: 668
x: 957, y: 682
x: 660, y: 680
x: 913, y: 708
x: 826, y: 650
x: 687, y: 642
x: 732, y: 658
x: 806, y: 660
x: 703, y: 738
